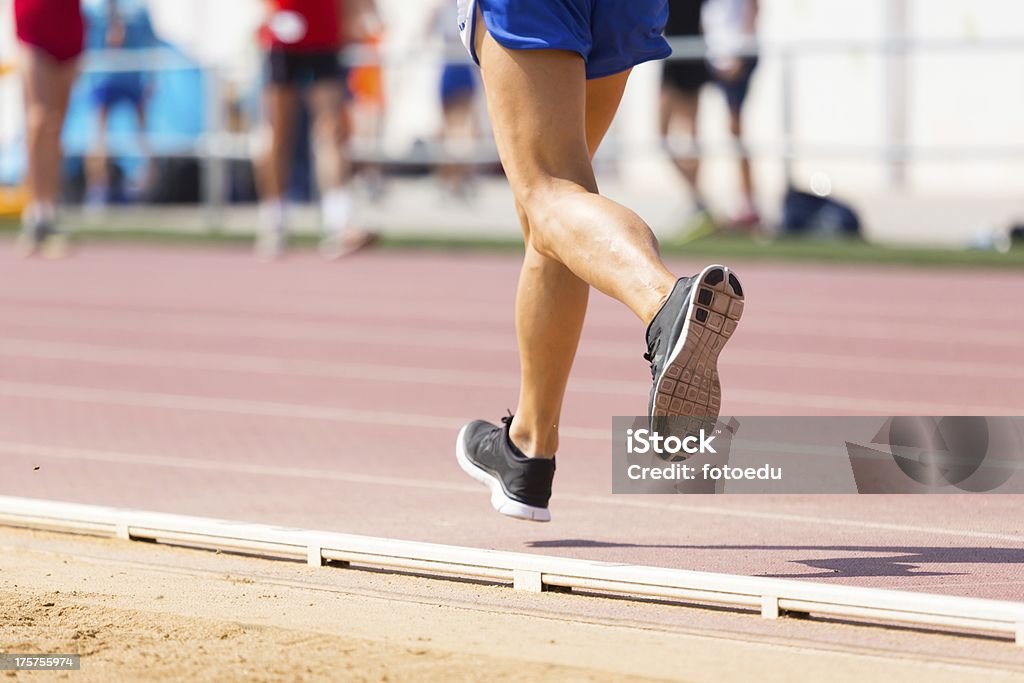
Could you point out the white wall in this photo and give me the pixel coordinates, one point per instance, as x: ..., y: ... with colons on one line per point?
x: 954, y: 98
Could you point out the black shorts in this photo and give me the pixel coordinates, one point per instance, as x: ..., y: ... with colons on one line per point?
x: 736, y: 89
x: 687, y: 76
x: 302, y: 68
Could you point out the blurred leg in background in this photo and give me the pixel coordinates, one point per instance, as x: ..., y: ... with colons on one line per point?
x: 458, y: 88
x: 683, y: 78
x: 280, y: 104
x: 334, y: 170
x: 97, y: 164
x: 730, y: 29
x: 125, y: 31
x: 460, y: 131
x: 679, y: 110
x: 47, y: 90
x: 734, y: 83
x: 109, y: 94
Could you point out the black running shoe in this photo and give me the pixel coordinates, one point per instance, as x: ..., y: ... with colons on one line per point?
x: 520, y: 486
x: 684, y: 340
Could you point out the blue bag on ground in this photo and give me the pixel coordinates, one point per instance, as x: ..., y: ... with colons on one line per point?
x: 804, y: 213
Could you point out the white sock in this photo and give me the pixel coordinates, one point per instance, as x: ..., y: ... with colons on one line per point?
x: 40, y: 212
x: 336, y: 207
x: 273, y: 215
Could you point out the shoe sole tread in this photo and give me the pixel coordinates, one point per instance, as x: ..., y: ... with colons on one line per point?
x: 689, y: 385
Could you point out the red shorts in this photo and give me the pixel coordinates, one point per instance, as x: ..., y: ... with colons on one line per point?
x: 304, y: 26
x: 54, y: 26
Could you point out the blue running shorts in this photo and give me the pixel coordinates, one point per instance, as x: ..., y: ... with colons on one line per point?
x: 611, y: 35
x: 457, y: 80
x: 119, y: 87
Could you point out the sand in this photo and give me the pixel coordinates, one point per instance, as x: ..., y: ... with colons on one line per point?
x: 143, y: 612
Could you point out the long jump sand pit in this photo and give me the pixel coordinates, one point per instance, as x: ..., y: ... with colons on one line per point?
x: 146, y: 612
x: 124, y: 644
x: 151, y: 626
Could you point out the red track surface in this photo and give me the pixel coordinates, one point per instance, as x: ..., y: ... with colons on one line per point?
x: 328, y: 396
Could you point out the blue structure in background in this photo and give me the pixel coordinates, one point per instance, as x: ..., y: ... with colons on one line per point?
x: 176, y: 105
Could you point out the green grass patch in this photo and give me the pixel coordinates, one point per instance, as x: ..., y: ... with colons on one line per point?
x: 842, y: 251
x: 715, y: 247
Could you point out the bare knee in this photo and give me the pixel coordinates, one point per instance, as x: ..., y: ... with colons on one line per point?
x: 542, y: 206
x: 42, y: 122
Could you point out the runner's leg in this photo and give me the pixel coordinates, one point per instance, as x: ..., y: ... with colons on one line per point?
x: 538, y: 101
x: 551, y: 302
x: 574, y: 236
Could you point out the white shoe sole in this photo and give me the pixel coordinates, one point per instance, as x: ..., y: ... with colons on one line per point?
x: 688, y: 385
x: 499, y: 501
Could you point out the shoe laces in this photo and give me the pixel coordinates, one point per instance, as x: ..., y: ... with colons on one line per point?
x: 489, y: 439
x: 649, y: 357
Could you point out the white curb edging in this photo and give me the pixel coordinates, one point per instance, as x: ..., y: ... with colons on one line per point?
x: 525, y: 571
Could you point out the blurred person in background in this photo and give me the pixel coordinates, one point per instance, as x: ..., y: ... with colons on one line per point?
x: 460, y: 129
x: 682, y: 81
x: 302, y: 40
x: 124, y: 26
x: 51, y: 33
x: 730, y: 28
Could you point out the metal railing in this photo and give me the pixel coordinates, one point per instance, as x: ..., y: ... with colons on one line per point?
x: 217, y: 141
x: 215, y: 146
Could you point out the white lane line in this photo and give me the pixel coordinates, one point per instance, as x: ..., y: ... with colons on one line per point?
x: 187, y: 325
x: 659, y: 503
x: 818, y: 403
x: 873, y: 364
x: 232, y: 324
x: 195, y: 360
x: 367, y: 310
x: 922, y: 310
x: 182, y: 463
x: 189, y: 360
x: 780, y: 400
x: 139, y: 399
x: 444, y: 308
x: 812, y: 326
